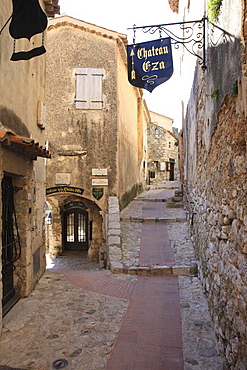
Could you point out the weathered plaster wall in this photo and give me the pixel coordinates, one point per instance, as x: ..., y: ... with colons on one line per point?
x: 93, y: 131
x: 132, y: 124
x: 22, y: 87
x: 80, y: 140
x: 162, y: 121
x: 22, y: 83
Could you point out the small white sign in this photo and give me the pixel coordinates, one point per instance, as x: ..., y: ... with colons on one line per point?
x: 101, y: 182
x: 62, y: 178
x: 162, y: 166
x: 99, y: 171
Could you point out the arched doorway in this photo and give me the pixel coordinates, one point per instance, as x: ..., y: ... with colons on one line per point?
x: 75, y: 230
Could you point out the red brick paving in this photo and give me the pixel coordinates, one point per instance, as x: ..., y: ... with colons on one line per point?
x: 155, y: 245
x: 150, y: 337
x: 99, y: 282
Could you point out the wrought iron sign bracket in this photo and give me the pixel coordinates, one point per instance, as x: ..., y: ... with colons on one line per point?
x: 196, y: 35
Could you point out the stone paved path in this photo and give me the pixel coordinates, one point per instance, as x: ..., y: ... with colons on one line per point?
x: 80, y: 317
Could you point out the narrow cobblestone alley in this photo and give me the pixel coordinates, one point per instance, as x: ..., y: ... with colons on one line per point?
x: 154, y: 316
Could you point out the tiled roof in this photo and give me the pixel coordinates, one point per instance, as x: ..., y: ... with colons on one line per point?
x: 25, y: 146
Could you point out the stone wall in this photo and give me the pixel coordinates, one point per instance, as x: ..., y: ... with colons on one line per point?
x: 218, y: 210
x: 113, y: 246
x: 215, y: 182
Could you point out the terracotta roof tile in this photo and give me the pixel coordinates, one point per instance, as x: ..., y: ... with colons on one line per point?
x: 25, y: 146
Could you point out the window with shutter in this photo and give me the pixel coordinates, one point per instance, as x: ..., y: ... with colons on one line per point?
x: 89, y: 88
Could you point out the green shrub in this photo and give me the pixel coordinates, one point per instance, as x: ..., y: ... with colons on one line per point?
x: 214, y: 10
x: 234, y: 89
x: 214, y: 94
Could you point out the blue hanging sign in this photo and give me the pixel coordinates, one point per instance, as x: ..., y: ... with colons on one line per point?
x: 150, y: 63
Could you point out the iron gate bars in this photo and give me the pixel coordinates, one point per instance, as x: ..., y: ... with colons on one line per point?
x: 195, y: 36
x: 11, y: 248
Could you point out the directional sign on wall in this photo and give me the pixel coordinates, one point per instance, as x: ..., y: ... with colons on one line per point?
x: 150, y: 63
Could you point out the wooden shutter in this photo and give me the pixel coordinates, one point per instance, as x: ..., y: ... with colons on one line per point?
x: 82, y: 88
x: 96, y: 88
x: 89, y: 88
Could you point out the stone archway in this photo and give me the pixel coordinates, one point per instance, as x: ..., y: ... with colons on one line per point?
x: 59, y: 207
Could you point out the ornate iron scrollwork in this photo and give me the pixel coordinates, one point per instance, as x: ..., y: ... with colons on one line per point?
x: 195, y: 35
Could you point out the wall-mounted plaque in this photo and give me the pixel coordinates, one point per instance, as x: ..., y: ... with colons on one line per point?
x: 97, y: 193
x: 62, y: 178
x: 99, y: 171
x: 101, y: 182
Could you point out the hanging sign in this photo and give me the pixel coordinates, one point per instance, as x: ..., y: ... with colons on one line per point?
x: 150, y: 63
x: 28, y: 19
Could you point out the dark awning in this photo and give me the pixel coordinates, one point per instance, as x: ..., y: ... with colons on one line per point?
x: 23, y: 145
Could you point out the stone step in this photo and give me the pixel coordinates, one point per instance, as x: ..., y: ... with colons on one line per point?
x: 155, y: 270
x: 152, y: 220
x: 152, y: 187
x: 143, y: 199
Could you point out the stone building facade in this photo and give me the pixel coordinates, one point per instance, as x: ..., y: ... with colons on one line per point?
x: 215, y: 176
x: 163, y: 156
x: 96, y: 131
x: 22, y: 170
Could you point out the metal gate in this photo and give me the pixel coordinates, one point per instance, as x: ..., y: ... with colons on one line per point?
x: 75, y: 230
x: 11, y: 249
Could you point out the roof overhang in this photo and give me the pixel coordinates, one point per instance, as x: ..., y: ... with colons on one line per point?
x: 23, y: 145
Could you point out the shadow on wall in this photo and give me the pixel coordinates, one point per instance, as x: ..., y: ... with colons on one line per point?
x: 11, y: 121
x: 130, y: 195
